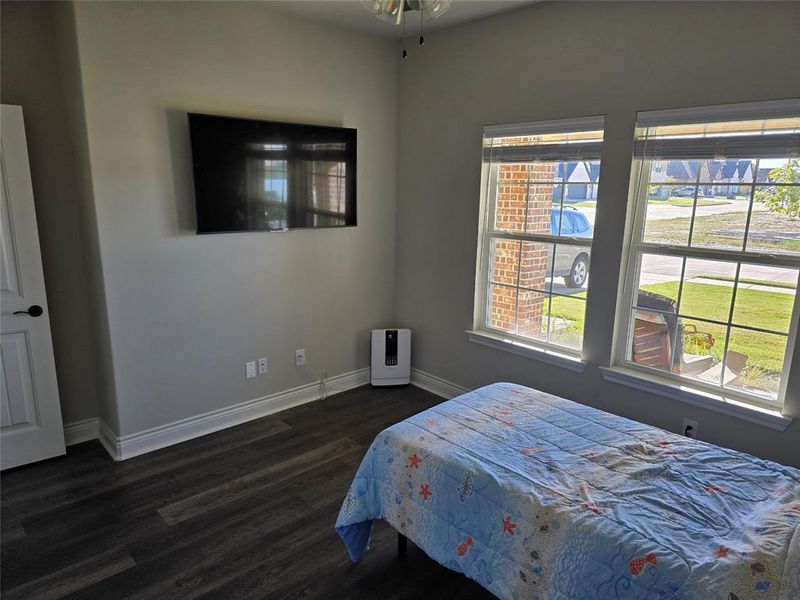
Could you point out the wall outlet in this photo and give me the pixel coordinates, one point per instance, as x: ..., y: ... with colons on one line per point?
x: 250, y: 369
x: 300, y: 357
x: 690, y: 428
x: 262, y: 366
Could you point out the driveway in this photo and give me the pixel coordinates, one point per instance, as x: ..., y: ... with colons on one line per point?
x: 656, y: 212
x: 662, y: 269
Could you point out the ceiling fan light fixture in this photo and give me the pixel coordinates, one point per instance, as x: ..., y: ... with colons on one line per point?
x: 394, y: 11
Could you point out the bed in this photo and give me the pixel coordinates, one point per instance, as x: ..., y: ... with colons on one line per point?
x: 534, y: 496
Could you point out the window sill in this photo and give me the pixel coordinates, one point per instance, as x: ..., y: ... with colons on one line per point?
x: 771, y: 418
x: 565, y: 361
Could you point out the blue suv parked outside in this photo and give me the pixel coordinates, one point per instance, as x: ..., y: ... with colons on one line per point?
x: 572, y: 262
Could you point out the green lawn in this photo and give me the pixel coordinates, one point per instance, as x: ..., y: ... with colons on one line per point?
x: 727, y: 229
x: 756, y: 308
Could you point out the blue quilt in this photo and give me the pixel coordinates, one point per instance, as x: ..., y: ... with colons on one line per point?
x: 534, y: 496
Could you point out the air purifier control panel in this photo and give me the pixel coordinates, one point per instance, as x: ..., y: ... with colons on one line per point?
x: 391, y: 348
x: 391, y: 357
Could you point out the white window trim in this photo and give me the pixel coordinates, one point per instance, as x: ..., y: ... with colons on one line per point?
x: 508, y: 343
x: 725, y: 404
x: 623, y: 371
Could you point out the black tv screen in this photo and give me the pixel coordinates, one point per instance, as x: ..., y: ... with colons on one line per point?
x: 270, y: 176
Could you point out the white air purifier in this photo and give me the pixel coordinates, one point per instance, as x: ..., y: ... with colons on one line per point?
x: 391, y: 357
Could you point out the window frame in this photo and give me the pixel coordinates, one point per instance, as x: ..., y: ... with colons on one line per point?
x: 487, y: 233
x: 636, y: 247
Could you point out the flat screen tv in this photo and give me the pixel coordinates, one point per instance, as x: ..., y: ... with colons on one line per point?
x: 270, y: 176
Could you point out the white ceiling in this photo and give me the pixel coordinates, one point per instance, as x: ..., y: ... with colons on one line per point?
x: 351, y: 14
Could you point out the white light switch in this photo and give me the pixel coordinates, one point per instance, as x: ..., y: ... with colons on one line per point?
x: 262, y: 366
x: 250, y: 369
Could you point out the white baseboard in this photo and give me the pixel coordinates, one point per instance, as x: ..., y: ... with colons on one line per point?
x: 135, y: 444
x: 436, y: 385
x: 81, y: 431
x: 109, y: 441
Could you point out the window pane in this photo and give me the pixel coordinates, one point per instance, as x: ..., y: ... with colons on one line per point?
x: 580, y: 180
x: 702, y: 346
x: 580, y: 217
x: 728, y: 171
x: 707, y: 289
x: 535, y: 272
x: 503, y: 261
x: 669, y: 214
x: 755, y: 361
x: 775, y: 224
x: 721, y: 217
x: 666, y: 172
x: 543, y: 215
x: 570, y: 268
x: 511, y: 197
x: 533, y: 310
x: 502, y: 308
x: 566, y: 321
x: 722, y: 172
x: 765, y: 297
x: 653, y: 339
x: 778, y: 170
x: 545, y: 172
x: 661, y: 275
x: 717, y: 195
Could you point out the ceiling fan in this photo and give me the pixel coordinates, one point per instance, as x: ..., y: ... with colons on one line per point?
x: 394, y: 11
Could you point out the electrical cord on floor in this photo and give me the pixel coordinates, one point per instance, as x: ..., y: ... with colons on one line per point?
x: 323, y: 381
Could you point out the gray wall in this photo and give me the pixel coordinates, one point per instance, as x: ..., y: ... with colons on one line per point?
x: 30, y: 76
x: 184, y: 311
x: 555, y: 60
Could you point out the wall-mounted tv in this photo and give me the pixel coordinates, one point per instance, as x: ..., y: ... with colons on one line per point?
x: 270, y: 176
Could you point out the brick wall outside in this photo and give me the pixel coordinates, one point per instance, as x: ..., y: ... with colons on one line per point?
x: 514, y: 195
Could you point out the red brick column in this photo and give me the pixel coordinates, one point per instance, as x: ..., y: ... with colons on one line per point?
x: 521, y: 206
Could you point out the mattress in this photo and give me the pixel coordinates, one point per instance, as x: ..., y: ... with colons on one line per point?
x: 535, y: 496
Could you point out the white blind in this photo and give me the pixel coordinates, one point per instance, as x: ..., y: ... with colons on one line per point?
x: 551, y: 145
x: 753, y: 130
x: 777, y: 145
x: 771, y: 109
x: 545, y: 127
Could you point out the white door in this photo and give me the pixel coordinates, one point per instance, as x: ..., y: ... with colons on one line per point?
x: 30, y: 413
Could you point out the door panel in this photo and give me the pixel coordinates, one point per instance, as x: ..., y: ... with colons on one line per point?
x: 30, y: 413
x: 19, y: 401
x: 9, y: 273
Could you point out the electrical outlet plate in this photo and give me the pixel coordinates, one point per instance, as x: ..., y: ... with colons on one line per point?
x: 250, y: 369
x: 262, y: 366
x: 690, y: 428
x: 300, y: 357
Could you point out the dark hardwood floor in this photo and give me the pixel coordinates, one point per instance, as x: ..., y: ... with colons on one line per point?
x: 247, y: 512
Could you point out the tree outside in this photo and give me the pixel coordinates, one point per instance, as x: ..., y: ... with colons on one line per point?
x: 782, y: 199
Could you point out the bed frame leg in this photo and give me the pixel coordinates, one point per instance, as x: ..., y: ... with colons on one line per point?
x: 402, y: 544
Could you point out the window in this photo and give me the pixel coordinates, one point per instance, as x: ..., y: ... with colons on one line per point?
x: 712, y: 271
x: 538, y: 199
